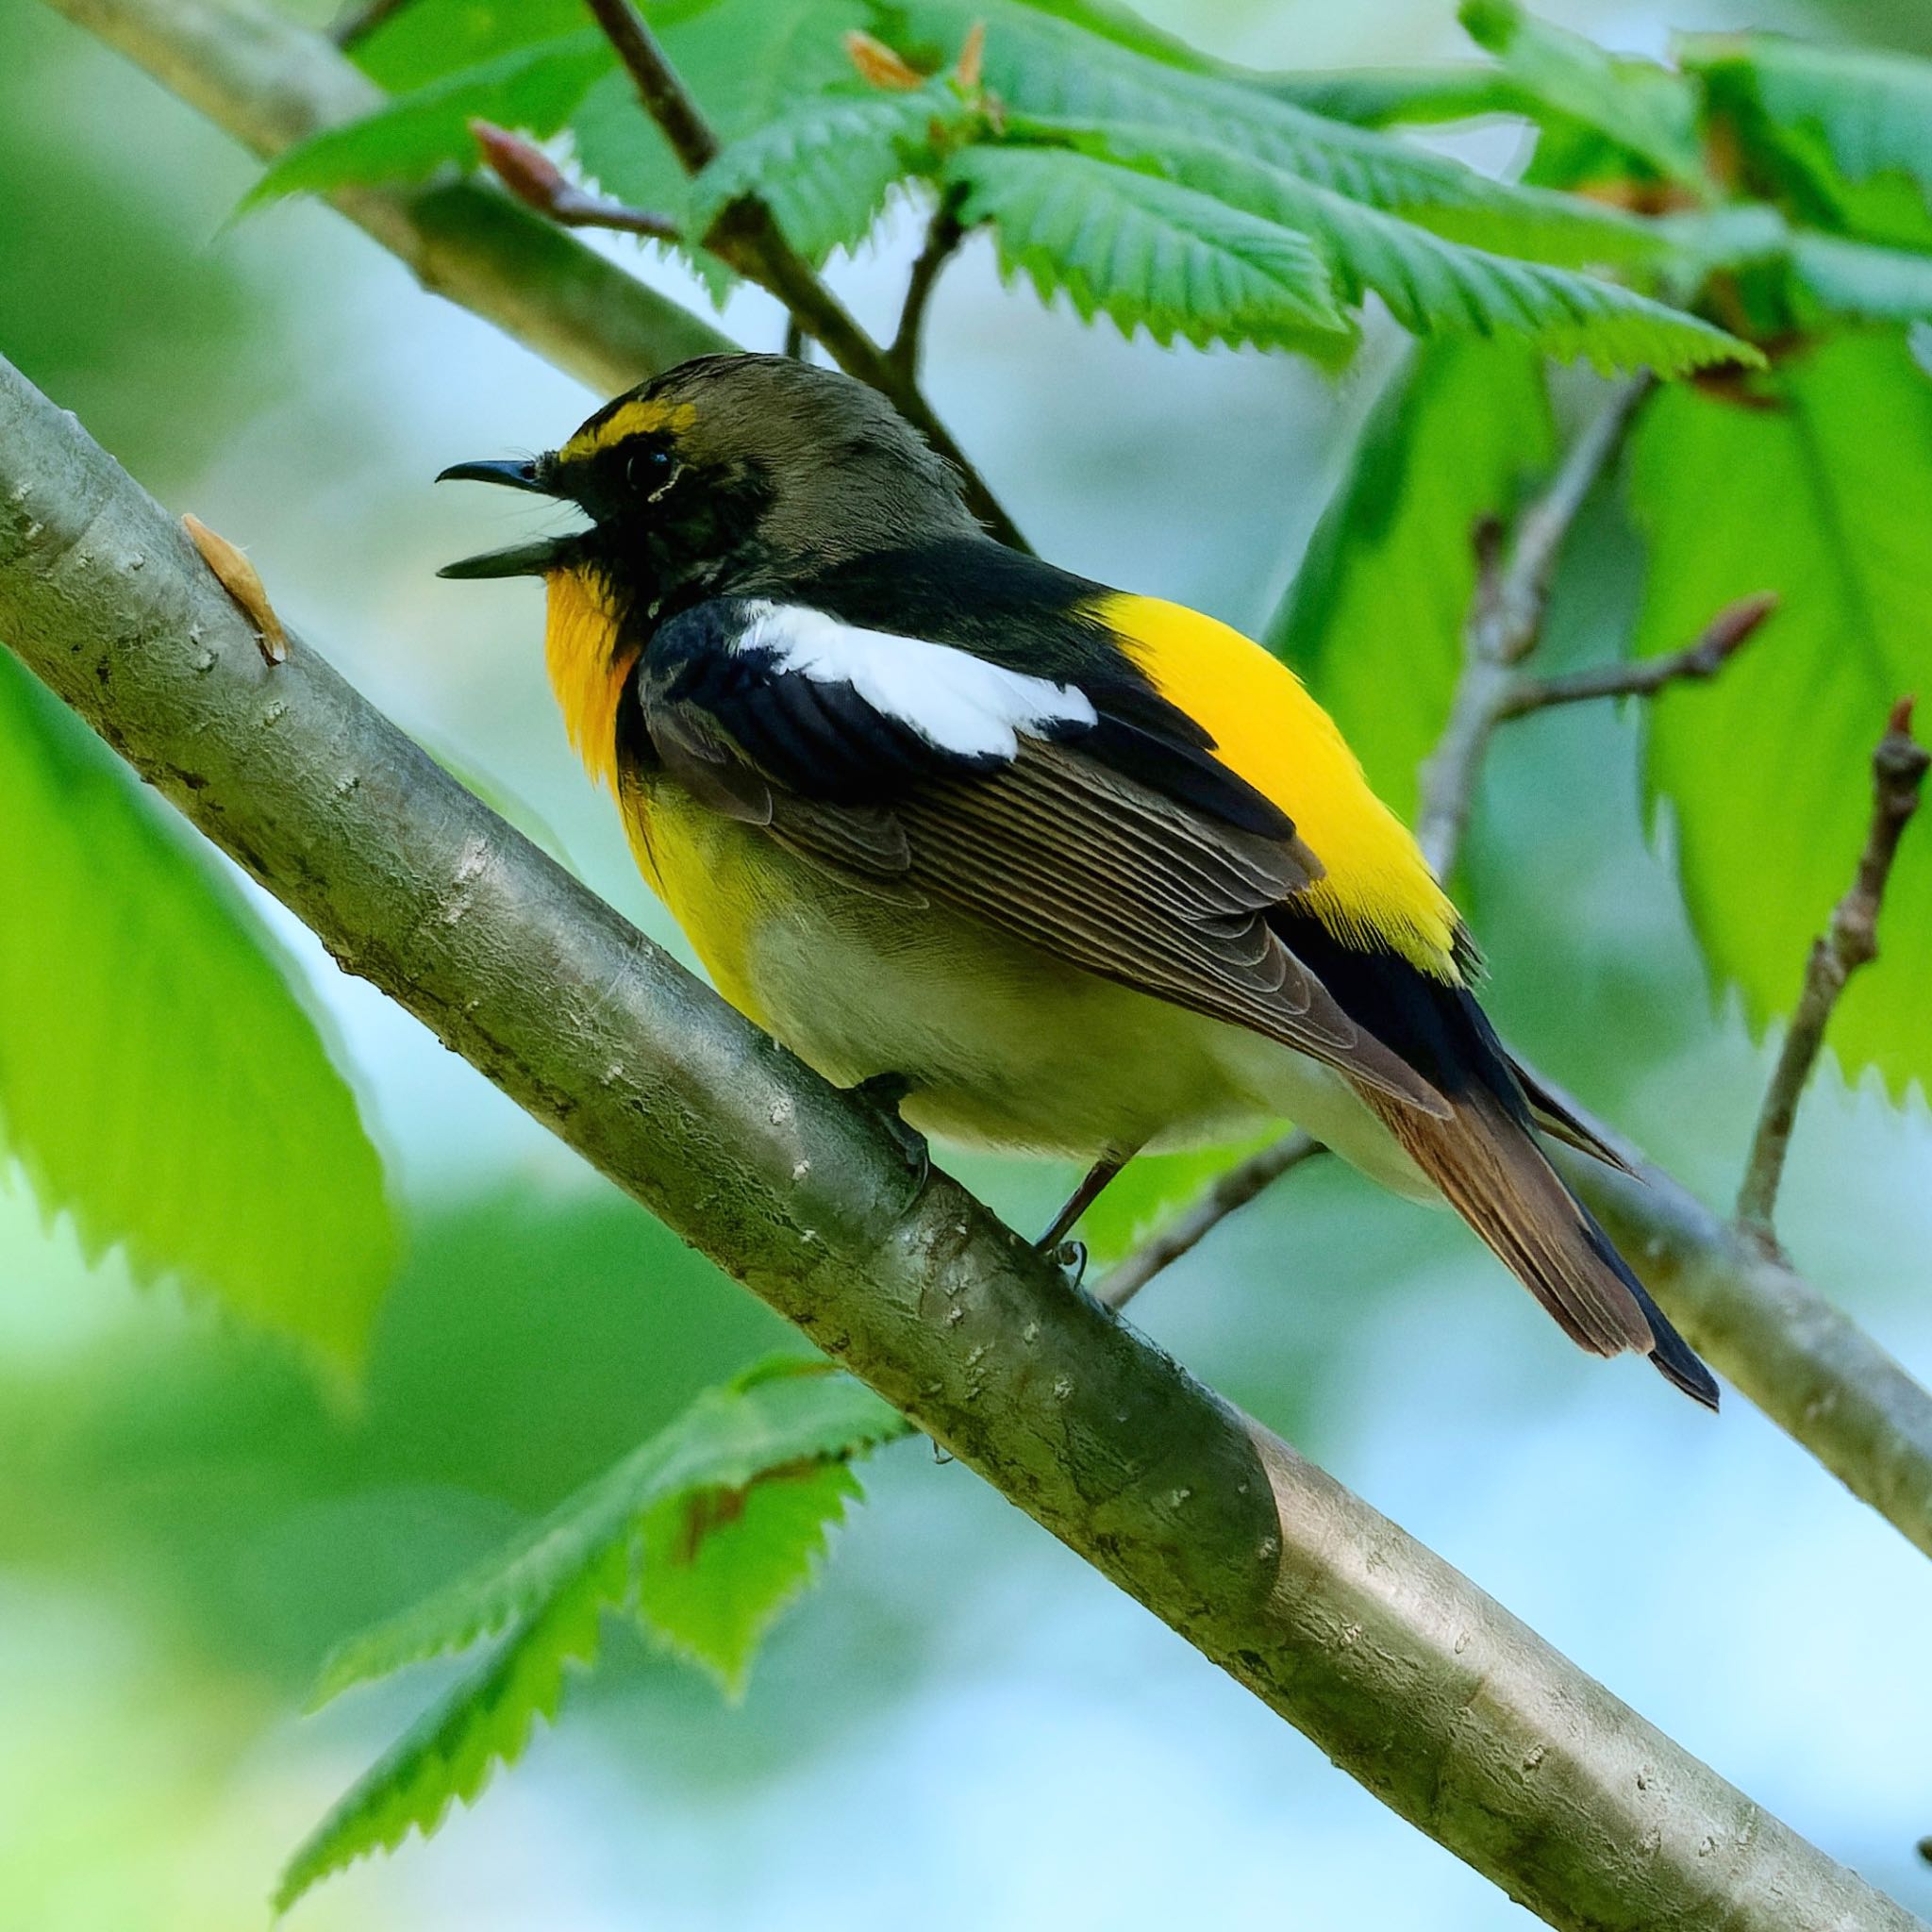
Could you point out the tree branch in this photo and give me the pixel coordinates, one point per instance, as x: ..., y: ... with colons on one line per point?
x: 271, y: 83
x: 1722, y: 639
x: 748, y: 237
x: 1850, y: 941
x: 943, y: 235
x: 1452, y: 1712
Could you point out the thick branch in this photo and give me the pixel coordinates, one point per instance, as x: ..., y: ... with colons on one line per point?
x: 748, y: 236
x: 1850, y: 941
x: 271, y: 83
x: 1451, y: 1711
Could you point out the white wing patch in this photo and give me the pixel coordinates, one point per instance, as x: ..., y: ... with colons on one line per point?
x: 953, y: 700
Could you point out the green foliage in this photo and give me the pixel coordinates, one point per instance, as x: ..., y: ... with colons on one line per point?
x: 159, y: 1079
x: 746, y: 62
x: 1873, y: 111
x: 683, y: 1530
x: 421, y: 42
x: 1146, y: 252
x: 1432, y: 285
x: 825, y: 166
x: 1826, y: 498
x: 720, y: 1565
x: 1853, y: 278
x: 1385, y: 97
x: 533, y: 88
x: 1373, y: 621
x: 1646, y: 110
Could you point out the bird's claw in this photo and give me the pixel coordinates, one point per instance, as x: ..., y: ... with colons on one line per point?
x: 1070, y: 1257
x: 883, y: 1093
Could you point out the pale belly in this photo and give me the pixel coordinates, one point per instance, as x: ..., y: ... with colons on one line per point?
x: 1002, y: 1044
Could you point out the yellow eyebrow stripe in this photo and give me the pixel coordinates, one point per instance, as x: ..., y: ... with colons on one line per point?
x: 630, y: 419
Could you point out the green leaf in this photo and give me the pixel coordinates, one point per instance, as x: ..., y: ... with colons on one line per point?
x: 746, y: 62
x: 1373, y: 621
x: 159, y: 1079
x: 730, y: 1503
x: 1645, y: 109
x: 1826, y: 498
x: 1853, y: 278
x: 720, y: 1565
x: 452, y: 1750
x: 534, y: 88
x: 1385, y: 96
x: 1431, y: 284
x: 427, y: 39
x: 779, y: 1413
x: 825, y: 165
x: 1873, y: 111
x: 1144, y: 252
x: 1039, y: 66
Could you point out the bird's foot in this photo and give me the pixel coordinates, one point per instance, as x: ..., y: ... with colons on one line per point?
x: 883, y: 1093
x: 1070, y: 1257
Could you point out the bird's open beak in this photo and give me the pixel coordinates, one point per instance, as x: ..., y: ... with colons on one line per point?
x: 521, y: 560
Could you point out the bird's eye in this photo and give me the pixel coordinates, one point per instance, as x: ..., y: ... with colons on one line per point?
x: 652, y: 471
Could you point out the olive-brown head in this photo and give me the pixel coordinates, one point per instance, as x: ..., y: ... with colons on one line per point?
x: 729, y: 476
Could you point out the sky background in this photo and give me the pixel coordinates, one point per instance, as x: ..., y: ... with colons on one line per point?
x: 963, y: 1726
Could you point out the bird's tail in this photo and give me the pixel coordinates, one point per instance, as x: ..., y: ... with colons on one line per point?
x: 1486, y: 1162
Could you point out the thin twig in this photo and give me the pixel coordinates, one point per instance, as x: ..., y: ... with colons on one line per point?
x: 794, y: 344
x: 943, y: 235
x: 1850, y: 941
x: 356, y: 20
x: 1721, y: 640
x: 538, y: 182
x: 1507, y: 619
x: 748, y: 237
x: 1224, y: 1195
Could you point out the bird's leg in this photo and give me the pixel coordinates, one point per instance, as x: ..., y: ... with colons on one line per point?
x: 883, y: 1093
x: 1053, y: 1244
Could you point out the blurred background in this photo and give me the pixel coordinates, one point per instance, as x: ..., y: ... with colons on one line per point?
x: 963, y: 1726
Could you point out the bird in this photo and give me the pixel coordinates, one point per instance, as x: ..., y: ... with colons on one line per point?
x: 1032, y: 863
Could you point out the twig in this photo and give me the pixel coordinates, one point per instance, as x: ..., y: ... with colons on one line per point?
x: 1222, y: 1197
x: 748, y: 237
x: 943, y: 235
x: 1850, y: 941
x: 1447, y: 1707
x: 1642, y: 677
x: 794, y: 344
x: 1505, y: 619
x: 356, y: 20
x: 538, y: 182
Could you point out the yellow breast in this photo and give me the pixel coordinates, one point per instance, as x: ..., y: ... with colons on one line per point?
x: 588, y: 665
x: 1377, y: 889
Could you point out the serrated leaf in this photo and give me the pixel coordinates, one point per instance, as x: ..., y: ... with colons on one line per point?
x: 746, y: 62
x: 1645, y: 110
x: 1827, y: 499
x: 775, y: 1414
x: 1375, y: 618
x: 1872, y: 110
x: 454, y: 1748
x: 721, y: 1565
x: 1431, y: 284
x: 1145, y: 252
x: 825, y: 166
x: 159, y: 1079
x: 1040, y: 66
x: 533, y: 88
x: 735, y: 1495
